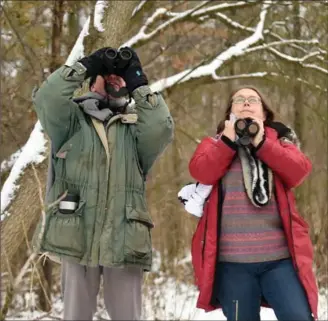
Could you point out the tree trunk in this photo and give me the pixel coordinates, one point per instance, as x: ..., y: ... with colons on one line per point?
x: 45, y: 270
x: 299, y: 110
x: 24, y: 212
x: 57, y: 26
x: 116, y: 22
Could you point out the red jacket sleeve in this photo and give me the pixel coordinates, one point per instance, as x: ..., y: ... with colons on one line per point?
x: 211, y: 159
x: 286, y: 160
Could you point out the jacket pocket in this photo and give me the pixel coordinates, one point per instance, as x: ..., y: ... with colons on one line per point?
x: 65, y: 232
x: 72, y: 159
x: 137, y: 235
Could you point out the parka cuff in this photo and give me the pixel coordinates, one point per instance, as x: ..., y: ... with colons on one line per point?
x: 229, y: 142
x: 145, y: 94
x: 141, y: 92
x: 75, y: 72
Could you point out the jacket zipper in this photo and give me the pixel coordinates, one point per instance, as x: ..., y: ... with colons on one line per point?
x: 291, y: 231
x: 219, y: 221
x: 204, y: 241
x: 213, y: 300
x: 236, y: 309
x: 219, y: 213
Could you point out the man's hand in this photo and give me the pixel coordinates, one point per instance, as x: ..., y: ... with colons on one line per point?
x: 132, y: 73
x: 98, y: 63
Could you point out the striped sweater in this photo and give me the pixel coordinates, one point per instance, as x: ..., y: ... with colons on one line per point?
x: 248, y: 234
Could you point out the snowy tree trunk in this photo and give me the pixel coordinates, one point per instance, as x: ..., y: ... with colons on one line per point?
x: 44, y: 290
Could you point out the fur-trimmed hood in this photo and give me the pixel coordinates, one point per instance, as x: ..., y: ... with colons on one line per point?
x: 285, y: 133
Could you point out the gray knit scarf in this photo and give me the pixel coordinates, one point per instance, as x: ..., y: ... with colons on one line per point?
x: 90, y: 104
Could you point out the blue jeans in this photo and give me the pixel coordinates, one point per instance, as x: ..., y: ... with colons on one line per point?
x: 242, y: 285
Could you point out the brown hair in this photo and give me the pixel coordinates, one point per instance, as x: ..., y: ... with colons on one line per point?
x: 269, y: 114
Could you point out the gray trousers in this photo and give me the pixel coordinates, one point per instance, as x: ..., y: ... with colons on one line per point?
x: 122, y: 291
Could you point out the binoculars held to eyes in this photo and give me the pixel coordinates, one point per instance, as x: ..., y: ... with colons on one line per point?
x: 120, y: 57
x: 246, y: 128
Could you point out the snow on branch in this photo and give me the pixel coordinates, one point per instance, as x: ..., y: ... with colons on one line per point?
x: 241, y: 48
x: 209, y: 10
x: 237, y: 25
x: 262, y: 74
x: 78, y: 49
x: 32, y: 152
x: 299, y: 60
x: 35, y: 148
x: 198, y: 11
x: 233, y: 23
x: 210, y: 69
x: 285, y: 42
x: 138, y: 7
x: 99, y: 14
x: 143, y: 36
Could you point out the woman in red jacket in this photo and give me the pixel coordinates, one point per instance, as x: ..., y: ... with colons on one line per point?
x: 251, y: 247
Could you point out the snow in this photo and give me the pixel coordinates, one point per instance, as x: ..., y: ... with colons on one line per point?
x: 8, y: 163
x: 99, y: 14
x: 164, y: 299
x: 10, y: 68
x: 303, y: 10
x: 138, y: 7
x: 34, y: 149
x: 141, y: 35
x: 78, y: 49
x: 6, y: 35
x: 209, y: 69
x: 197, y: 12
x: 214, y: 8
x: 32, y: 152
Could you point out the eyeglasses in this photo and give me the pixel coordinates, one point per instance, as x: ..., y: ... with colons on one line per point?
x: 241, y: 100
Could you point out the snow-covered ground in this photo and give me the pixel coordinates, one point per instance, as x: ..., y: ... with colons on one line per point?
x: 166, y: 299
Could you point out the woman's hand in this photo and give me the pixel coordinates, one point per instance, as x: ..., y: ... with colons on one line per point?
x: 259, y: 136
x: 229, y: 130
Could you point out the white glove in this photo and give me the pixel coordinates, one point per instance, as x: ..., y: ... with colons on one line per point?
x: 193, y: 197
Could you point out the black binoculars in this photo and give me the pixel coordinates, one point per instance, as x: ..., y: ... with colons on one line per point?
x: 121, y: 57
x: 246, y: 128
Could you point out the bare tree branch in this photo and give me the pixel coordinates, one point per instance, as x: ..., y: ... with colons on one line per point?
x: 211, y: 68
x: 285, y: 42
x: 23, y: 44
x: 298, y: 60
x: 238, y: 26
x: 143, y: 35
x: 262, y: 74
x: 138, y: 7
x: 243, y: 47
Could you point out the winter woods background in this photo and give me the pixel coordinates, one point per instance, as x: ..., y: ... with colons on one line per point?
x: 194, y: 52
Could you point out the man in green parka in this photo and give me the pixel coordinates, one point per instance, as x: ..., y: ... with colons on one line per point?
x: 102, y: 150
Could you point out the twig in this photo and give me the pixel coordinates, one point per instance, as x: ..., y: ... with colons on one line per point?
x: 22, y: 43
x: 30, y: 261
x: 47, y: 315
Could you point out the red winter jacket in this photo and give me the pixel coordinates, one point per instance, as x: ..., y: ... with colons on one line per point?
x: 290, y: 166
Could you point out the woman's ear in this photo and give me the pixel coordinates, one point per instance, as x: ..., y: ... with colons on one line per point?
x: 265, y: 115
